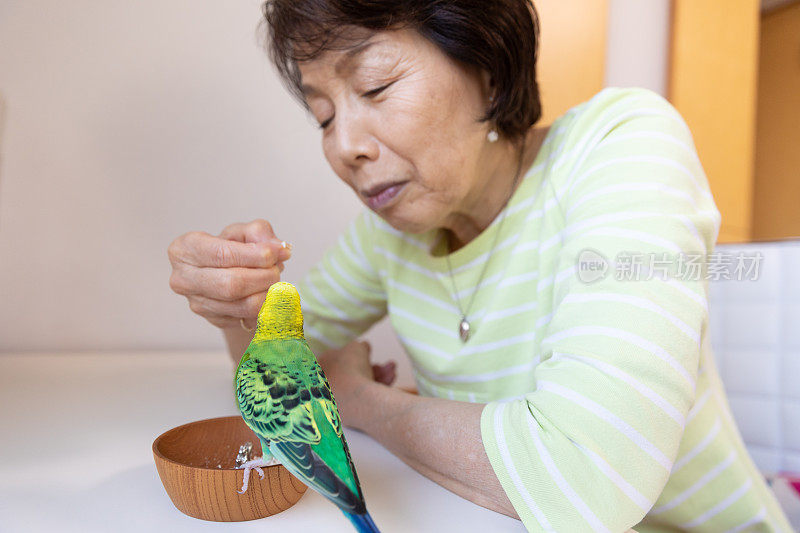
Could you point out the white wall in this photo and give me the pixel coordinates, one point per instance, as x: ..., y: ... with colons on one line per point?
x: 638, y: 44
x: 129, y: 123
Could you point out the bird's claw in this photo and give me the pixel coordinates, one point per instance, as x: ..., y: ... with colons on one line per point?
x: 256, y: 465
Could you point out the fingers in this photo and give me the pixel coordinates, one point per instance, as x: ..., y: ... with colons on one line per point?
x: 385, y: 373
x: 259, y: 230
x: 222, y: 322
x: 247, y: 307
x: 201, y: 249
x: 226, y: 277
x: 226, y: 284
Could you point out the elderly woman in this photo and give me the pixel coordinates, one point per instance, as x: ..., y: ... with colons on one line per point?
x: 544, y: 281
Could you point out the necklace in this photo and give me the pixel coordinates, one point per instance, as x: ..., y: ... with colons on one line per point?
x: 464, y: 327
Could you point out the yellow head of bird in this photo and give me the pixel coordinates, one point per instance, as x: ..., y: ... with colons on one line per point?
x: 280, y: 316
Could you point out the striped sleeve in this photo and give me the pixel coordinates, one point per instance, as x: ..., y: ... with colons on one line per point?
x: 342, y: 295
x: 591, y: 446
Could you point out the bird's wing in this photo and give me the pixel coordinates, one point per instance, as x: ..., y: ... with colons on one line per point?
x: 271, y: 402
x: 301, y: 460
x: 332, y: 449
x: 320, y: 390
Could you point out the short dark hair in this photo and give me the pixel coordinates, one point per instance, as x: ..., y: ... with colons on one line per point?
x: 498, y: 36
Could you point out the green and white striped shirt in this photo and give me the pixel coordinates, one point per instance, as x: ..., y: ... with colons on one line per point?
x: 604, y: 408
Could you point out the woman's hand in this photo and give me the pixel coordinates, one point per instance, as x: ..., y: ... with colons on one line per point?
x: 348, y: 369
x: 226, y: 277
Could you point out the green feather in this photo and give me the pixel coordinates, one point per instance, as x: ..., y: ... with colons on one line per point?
x: 284, y: 396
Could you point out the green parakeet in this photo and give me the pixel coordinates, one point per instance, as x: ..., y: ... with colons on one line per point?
x: 285, y: 398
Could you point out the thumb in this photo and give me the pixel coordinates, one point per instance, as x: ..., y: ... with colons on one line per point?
x: 259, y: 230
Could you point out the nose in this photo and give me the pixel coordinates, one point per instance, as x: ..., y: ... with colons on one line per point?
x: 354, y: 142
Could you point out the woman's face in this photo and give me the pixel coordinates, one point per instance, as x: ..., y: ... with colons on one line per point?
x: 396, y: 110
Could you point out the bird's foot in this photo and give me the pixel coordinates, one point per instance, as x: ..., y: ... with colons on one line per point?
x: 256, y: 465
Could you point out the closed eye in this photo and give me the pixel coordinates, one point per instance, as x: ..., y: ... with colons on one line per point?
x: 376, y: 91
x: 368, y: 94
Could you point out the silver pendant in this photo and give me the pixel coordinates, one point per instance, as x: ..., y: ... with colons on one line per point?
x: 463, y: 329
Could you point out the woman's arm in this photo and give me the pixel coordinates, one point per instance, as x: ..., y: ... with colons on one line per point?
x: 441, y: 439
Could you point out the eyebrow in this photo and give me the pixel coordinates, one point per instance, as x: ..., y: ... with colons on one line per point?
x: 349, y: 55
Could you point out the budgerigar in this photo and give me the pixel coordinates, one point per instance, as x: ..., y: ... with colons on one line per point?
x: 285, y: 398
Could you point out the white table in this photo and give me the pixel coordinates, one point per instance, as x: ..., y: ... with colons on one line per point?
x: 75, y: 451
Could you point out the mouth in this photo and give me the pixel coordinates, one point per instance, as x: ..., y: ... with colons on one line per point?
x: 381, y: 195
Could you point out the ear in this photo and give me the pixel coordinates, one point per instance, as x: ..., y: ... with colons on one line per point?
x: 487, y: 84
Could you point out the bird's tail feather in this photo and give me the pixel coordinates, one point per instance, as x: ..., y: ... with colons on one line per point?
x: 362, y: 522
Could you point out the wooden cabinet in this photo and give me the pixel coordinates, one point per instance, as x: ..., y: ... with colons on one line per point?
x: 572, y: 50
x: 712, y: 82
x: 735, y: 77
x: 776, y: 191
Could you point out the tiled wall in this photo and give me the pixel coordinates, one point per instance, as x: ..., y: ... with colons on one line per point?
x: 755, y: 333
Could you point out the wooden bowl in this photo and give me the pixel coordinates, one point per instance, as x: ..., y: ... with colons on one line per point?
x: 196, y: 461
